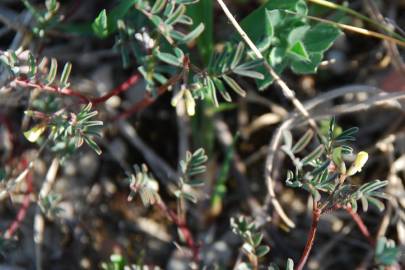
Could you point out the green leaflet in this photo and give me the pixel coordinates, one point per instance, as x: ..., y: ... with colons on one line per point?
x: 294, y: 42
x: 99, y: 25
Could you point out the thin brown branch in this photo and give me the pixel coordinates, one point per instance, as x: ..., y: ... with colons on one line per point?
x: 271, y: 154
x: 39, y: 219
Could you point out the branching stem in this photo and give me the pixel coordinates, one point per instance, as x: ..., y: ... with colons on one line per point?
x: 316, y: 214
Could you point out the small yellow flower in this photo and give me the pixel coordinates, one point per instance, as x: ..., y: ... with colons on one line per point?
x: 358, y: 163
x: 35, y: 132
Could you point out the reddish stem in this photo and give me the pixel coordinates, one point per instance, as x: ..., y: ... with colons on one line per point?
x: 316, y: 215
x: 363, y: 228
x: 22, y: 212
x: 182, y: 226
x: 48, y: 88
x: 116, y: 91
x: 148, y: 99
x: 133, y: 79
x: 139, y: 106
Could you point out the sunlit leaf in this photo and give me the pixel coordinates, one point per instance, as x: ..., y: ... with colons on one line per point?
x: 52, y: 72
x: 234, y: 85
x: 303, y: 141
x: 316, y: 153
x: 262, y: 251
x: 65, y: 75
x: 158, y: 6
x: 99, y: 25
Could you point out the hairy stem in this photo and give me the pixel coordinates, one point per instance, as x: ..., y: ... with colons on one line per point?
x: 316, y: 215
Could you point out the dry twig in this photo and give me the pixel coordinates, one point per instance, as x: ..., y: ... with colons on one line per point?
x: 39, y: 220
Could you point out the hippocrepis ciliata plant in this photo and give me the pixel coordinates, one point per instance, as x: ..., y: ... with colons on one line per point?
x: 324, y: 174
x: 322, y: 171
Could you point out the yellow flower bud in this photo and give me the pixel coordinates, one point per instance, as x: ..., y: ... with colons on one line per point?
x: 190, y: 103
x: 35, y: 132
x: 177, y: 97
x: 358, y: 163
